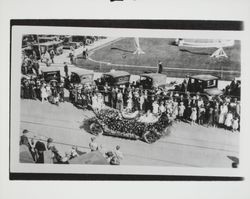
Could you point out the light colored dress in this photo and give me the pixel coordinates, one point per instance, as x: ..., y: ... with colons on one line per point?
x: 181, y: 110
x: 130, y: 104
x: 44, y: 94
x: 223, y: 112
x: 193, y: 115
x: 155, y: 108
x: 94, y: 101
x: 235, y: 124
x: 229, y: 118
x: 162, y: 108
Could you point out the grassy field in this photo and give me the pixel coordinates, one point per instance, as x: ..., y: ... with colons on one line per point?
x: 177, y: 61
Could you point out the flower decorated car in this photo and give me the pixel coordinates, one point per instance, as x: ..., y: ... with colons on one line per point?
x: 111, y: 122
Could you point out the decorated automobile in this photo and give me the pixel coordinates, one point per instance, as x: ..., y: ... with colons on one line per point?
x: 111, y: 122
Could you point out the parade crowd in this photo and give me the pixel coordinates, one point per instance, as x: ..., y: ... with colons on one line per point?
x: 223, y: 112
x: 38, y: 149
x: 195, y: 109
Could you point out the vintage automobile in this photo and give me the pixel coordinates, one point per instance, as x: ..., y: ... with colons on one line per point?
x: 152, y: 80
x: 110, y: 122
x: 204, y: 84
x: 51, y: 73
x: 113, y: 78
x: 43, y: 48
x: 81, y: 76
x: 58, y: 47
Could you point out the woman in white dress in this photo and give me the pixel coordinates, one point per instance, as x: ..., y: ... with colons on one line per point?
x: 130, y: 104
x: 162, y: 107
x: 100, y: 101
x: 49, y: 92
x: 142, y: 99
x: 94, y: 101
x: 193, y: 115
x: 223, y: 112
x: 181, y: 110
x: 175, y: 109
x: 228, y: 121
x: 155, y: 107
x: 235, y: 124
x: 44, y: 94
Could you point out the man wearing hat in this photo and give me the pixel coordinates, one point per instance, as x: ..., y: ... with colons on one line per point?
x: 66, y: 70
x: 159, y: 67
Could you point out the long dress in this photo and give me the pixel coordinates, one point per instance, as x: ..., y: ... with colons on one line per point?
x: 223, y: 112
x: 235, y: 124
x: 94, y: 101
x: 44, y: 93
x: 229, y: 118
x: 181, y: 110
x: 155, y: 108
x: 130, y: 104
x: 193, y: 115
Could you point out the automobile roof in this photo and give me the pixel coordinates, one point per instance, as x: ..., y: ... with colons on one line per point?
x: 81, y: 71
x: 153, y: 75
x: 204, y: 77
x: 48, y: 43
x: 50, y: 69
x: 117, y: 73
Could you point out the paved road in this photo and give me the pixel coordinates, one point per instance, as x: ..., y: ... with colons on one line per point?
x: 187, y: 145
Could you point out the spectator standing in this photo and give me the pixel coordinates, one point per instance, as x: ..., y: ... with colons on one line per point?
x: 160, y: 67
x: 228, y: 121
x: 235, y: 124
x: 181, y: 110
x: 113, y: 98
x: 52, y: 55
x: 193, y: 115
x: 117, y: 156
x: 66, y: 70
x: 223, y: 112
x: 40, y: 148
x: 93, y: 145
x: 119, y: 104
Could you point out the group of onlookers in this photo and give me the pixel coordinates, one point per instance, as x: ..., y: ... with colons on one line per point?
x: 39, y: 149
x: 35, y: 88
x: 216, y: 112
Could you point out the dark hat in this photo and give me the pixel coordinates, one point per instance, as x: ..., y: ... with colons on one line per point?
x: 49, y: 140
x: 25, y: 131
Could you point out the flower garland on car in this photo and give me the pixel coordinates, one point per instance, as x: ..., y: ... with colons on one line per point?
x: 115, y: 125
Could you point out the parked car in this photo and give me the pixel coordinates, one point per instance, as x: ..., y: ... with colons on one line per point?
x: 58, y: 47
x: 51, y: 73
x: 81, y: 76
x: 206, y: 85
x: 113, y: 78
x: 152, y: 80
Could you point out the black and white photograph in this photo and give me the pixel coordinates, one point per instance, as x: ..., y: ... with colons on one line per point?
x: 125, y: 101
